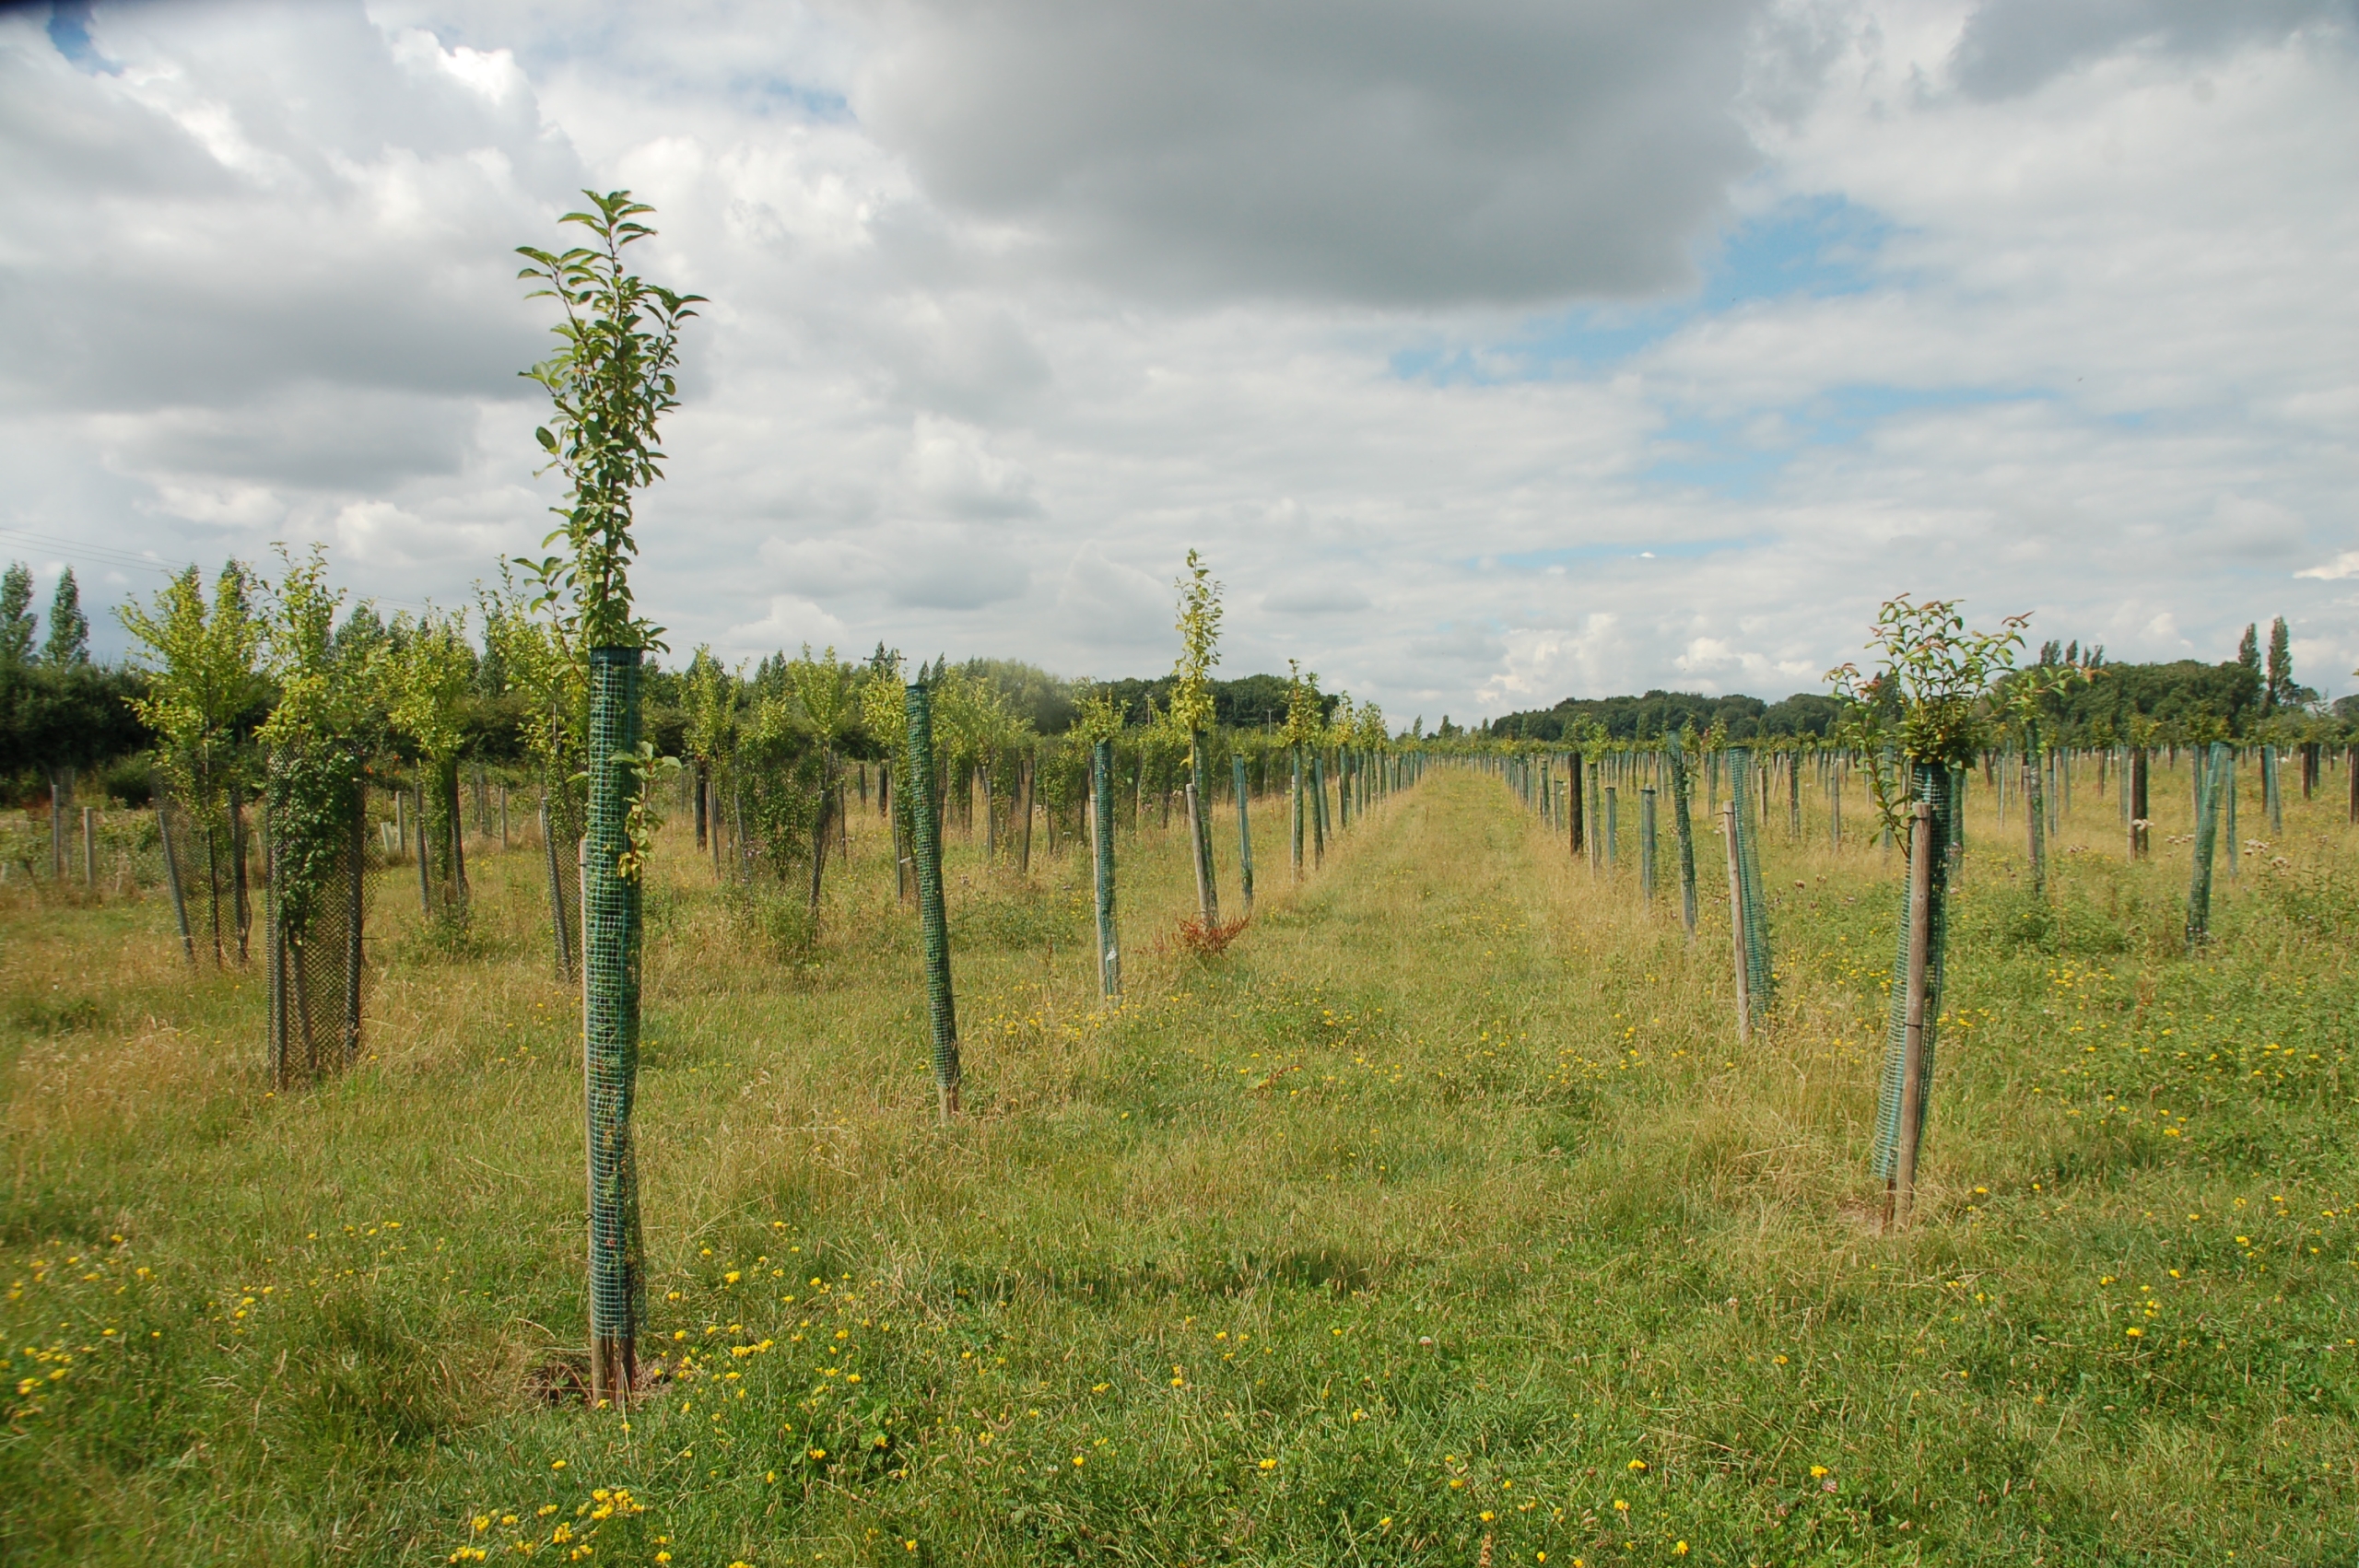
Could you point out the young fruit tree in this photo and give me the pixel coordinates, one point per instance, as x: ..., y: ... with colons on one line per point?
x: 427, y: 670
x: 610, y: 382
x: 201, y: 683
x: 319, y: 739
x: 1918, y: 720
x: 1192, y: 710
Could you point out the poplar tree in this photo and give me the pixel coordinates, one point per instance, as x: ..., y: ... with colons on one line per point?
x: 17, y: 621
x: 69, y: 630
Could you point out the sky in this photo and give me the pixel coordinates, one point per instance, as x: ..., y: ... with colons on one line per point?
x: 1492, y: 352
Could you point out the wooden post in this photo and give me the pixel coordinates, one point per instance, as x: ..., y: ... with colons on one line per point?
x: 1902, y: 1193
x: 424, y: 877
x: 1025, y: 769
x: 57, y: 823
x: 1207, y: 913
x: 559, y: 916
x: 1736, y: 930
x: 2139, y: 824
x: 1573, y: 801
x: 172, y: 881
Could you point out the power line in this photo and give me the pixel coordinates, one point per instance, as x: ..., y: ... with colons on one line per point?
x: 107, y: 554
x: 103, y: 554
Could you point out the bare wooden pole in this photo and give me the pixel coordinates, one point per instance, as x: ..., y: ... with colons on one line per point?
x: 1901, y: 1195
x: 172, y: 881
x: 1024, y: 768
x: 1206, y: 910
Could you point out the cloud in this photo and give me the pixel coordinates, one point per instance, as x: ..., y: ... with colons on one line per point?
x: 791, y: 623
x: 1113, y: 603
x: 952, y: 467
x: 1384, y: 152
x: 2010, y: 47
x: 1316, y: 599
x: 2345, y: 566
x: 1012, y: 306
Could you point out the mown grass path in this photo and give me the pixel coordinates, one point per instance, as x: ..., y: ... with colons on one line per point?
x: 1440, y: 1210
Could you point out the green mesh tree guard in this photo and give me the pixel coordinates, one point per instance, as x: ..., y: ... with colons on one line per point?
x: 2227, y: 810
x: 2272, y: 798
x: 316, y: 845
x: 1317, y: 809
x: 610, y: 973
x: 1647, y: 845
x: 1102, y: 796
x: 1300, y: 807
x: 1936, y: 787
x: 2035, y: 811
x: 1612, y: 826
x: 1244, y: 833
x: 2212, y: 778
x: 1753, y: 910
x: 934, y: 922
x: 1686, y: 831
x: 1200, y: 831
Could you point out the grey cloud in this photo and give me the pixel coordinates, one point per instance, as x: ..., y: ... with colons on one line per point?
x: 311, y: 437
x: 1108, y: 602
x: 266, y: 195
x: 2010, y: 47
x: 958, y: 578
x: 912, y: 566
x: 1385, y: 152
x: 1316, y: 599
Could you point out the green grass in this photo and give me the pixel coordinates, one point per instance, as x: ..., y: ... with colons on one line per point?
x: 1442, y: 1208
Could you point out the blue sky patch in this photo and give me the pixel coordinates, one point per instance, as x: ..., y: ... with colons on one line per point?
x: 1816, y: 248
x: 69, y: 34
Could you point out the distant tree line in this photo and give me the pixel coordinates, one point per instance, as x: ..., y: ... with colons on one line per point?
x: 60, y: 710
x: 2255, y: 695
x: 1667, y: 713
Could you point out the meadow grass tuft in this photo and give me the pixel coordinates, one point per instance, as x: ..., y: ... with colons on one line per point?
x: 1438, y: 1215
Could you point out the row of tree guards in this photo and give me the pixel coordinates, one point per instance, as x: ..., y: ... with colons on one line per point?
x: 1362, y: 780
x: 1581, y: 798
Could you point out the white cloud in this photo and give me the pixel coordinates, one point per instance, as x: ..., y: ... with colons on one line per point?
x: 2346, y: 565
x: 791, y: 623
x: 989, y: 350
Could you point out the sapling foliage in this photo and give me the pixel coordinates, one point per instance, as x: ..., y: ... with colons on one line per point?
x: 611, y: 381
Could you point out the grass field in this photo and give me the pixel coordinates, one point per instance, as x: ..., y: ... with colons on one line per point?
x: 1441, y: 1221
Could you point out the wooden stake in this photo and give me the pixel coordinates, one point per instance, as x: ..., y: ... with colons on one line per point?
x: 172, y: 881
x: 1902, y: 1195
